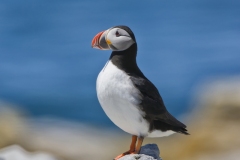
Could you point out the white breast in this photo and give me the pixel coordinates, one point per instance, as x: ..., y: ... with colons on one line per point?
x: 119, y: 99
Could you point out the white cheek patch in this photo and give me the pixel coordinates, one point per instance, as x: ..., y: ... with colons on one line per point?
x: 123, y: 43
x: 119, y: 43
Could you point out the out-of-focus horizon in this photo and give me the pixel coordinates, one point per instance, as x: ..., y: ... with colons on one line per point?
x: 190, y: 50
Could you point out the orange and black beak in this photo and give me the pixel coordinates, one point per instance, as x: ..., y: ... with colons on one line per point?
x: 99, y: 41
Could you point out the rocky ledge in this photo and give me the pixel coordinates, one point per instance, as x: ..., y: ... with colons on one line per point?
x: 147, y: 152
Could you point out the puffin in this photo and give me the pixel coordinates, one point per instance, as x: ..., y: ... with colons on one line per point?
x: 128, y: 98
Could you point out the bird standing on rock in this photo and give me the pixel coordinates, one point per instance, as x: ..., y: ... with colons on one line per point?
x: 128, y: 98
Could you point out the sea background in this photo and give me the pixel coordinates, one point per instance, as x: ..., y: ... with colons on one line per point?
x: 48, y: 68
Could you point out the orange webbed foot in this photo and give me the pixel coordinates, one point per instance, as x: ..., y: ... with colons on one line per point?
x: 124, y: 154
x: 133, y: 148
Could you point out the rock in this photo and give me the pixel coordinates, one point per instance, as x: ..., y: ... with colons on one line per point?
x: 16, y: 152
x: 151, y: 150
x: 147, y: 152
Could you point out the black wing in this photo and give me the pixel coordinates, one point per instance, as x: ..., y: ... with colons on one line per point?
x: 152, y: 104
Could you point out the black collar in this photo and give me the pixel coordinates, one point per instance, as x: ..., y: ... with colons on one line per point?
x: 126, y: 61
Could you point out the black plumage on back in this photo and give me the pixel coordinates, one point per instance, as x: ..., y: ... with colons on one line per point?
x: 153, y: 107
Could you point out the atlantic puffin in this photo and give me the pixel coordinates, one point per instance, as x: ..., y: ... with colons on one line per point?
x: 129, y: 99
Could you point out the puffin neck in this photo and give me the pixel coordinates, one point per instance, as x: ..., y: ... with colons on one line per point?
x: 126, y: 60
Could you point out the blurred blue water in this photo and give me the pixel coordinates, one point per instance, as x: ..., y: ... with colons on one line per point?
x: 48, y: 67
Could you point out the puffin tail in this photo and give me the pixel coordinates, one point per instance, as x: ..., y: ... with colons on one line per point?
x: 183, y: 131
x: 168, y: 122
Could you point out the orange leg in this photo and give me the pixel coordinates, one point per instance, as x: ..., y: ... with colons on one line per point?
x: 133, y: 144
x: 131, y: 150
x: 139, y: 145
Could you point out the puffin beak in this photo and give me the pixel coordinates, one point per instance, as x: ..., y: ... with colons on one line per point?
x: 99, y: 41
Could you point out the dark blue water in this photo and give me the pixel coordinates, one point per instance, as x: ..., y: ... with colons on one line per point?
x: 47, y: 65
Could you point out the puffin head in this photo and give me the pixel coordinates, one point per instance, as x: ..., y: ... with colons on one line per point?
x: 118, y: 38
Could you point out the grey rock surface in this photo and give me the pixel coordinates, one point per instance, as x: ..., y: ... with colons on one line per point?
x: 147, y: 152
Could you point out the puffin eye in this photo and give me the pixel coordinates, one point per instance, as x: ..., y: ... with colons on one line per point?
x: 117, y: 34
